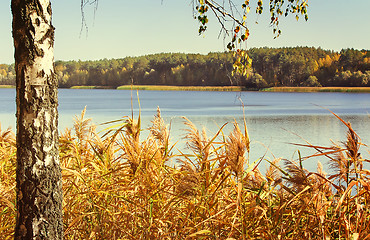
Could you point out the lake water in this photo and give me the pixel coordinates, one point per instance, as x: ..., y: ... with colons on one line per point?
x: 274, y: 119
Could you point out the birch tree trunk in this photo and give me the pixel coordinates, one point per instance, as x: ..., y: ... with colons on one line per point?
x: 39, y: 184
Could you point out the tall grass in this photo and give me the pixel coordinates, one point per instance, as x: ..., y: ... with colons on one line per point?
x: 181, y: 88
x: 318, y: 89
x: 118, y: 185
x: 7, y: 183
x: 7, y: 86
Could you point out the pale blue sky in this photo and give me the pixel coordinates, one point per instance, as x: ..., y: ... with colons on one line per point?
x: 131, y: 28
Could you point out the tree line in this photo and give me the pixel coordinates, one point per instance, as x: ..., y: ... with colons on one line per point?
x: 292, y: 66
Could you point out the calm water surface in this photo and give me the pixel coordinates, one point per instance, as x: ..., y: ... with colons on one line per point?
x: 274, y: 119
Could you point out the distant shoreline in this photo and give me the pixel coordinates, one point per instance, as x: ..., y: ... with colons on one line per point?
x: 182, y: 88
x: 318, y: 89
x: 7, y: 86
x: 223, y: 88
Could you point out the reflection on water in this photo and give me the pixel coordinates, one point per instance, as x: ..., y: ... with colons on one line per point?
x: 274, y: 119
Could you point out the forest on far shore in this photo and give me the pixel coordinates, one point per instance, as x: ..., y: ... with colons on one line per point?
x: 271, y: 67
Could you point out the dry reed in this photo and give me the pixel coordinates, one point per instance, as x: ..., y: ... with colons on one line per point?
x: 118, y: 185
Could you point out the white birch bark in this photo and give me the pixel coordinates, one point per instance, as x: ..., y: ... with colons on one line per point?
x: 39, y: 185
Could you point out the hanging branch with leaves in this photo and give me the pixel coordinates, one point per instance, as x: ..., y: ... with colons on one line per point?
x: 233, y: 21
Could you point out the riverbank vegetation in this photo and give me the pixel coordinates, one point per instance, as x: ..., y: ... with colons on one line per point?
x: 181, y: 88
x: 119, y: 185
x: 166, y: 88
x: 318, y: 89
x: 7, y: 86
x: 271, y: 67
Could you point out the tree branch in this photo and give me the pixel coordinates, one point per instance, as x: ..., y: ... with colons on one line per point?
x: 216, y: 7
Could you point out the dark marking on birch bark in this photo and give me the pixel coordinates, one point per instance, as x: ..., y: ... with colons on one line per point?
x: 39, y: 52
x: 48, y: 35
x: 41, y: 73
x: 38, y: 22
x: 49, y: 9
